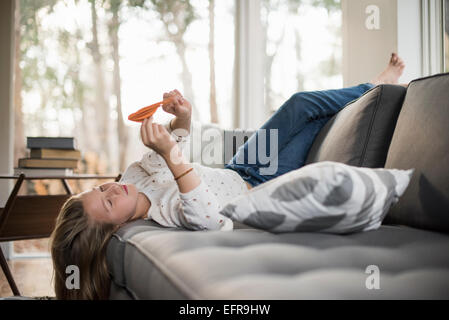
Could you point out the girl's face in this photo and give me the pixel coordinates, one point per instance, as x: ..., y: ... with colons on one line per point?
x: 111, y: 202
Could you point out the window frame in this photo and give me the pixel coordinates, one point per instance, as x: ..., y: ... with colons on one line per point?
x: 250, y: 109
x: 432, y: 34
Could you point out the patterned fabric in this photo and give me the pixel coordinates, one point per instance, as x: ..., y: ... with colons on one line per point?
x: 326, y: 197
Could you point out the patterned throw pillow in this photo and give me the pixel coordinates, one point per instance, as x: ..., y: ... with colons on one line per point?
x: 326, y: 197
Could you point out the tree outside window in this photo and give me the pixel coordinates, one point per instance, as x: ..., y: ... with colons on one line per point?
x: 303, y: 47
x: 83, y: 66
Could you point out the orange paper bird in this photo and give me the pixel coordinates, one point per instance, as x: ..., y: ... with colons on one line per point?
x: 147, y: 112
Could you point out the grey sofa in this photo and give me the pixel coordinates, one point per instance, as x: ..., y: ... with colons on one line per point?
x: 389, y: 126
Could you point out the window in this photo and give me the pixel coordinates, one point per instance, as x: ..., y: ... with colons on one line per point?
x: 433, y: 36
x: 83, y: 66
x: 159, y: 55
x: 303, y: 47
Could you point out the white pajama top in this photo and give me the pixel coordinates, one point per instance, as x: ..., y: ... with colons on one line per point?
x: 197, y: 209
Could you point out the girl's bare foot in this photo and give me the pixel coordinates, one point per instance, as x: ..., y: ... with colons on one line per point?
x: 392, y: 73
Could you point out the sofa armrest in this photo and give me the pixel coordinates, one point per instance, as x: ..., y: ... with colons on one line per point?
x: 214, y: 146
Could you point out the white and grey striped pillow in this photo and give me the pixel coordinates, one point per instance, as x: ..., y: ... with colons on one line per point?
x: 329, y: 197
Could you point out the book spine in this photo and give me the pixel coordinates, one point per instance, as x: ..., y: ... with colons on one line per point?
x: 55, y: 154
x: 47, y: 163
x: 50, y: 143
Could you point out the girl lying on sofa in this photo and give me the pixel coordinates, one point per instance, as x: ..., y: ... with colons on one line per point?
x: 165, y: 187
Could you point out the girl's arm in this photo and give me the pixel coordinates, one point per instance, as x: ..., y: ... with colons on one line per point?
x: 156, y: 137
x: 180, y: 167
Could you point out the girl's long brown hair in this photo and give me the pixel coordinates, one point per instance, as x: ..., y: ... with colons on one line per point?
x: 80, y: 241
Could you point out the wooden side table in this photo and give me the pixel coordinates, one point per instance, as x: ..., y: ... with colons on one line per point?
x: 33, y: 216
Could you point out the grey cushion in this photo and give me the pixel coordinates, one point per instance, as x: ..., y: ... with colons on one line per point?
x: 360, y: 134
x: 421, y: 141
x: 328, y: 196
x: 165, y: 263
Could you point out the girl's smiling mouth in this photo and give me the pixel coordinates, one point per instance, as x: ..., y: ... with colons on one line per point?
x: 126, y: 188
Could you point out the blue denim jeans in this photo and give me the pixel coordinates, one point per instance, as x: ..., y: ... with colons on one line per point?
x: 298, y: 121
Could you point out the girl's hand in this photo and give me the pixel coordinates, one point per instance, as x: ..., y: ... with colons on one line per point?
x: 180, y: 107
x: 156, y: 137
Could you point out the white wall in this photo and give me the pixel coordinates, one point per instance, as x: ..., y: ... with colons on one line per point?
x: 413, y: 28
x: 367, y: 51
x: 409, y: 38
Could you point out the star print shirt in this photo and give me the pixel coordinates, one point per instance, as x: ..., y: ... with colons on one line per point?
x: 197, y: 209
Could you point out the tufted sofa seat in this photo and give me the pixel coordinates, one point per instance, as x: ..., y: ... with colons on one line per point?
x: 151, y: 262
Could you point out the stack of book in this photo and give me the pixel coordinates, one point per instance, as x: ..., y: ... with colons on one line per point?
x: 49, y: 156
